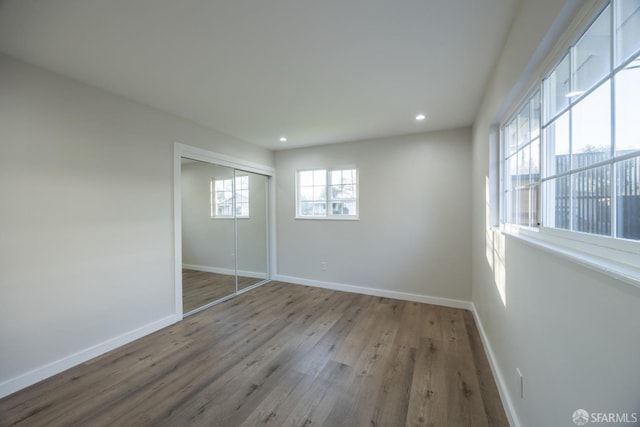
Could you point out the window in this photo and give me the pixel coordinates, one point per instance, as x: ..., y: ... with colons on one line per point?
x: 522, y: 165
x: 227, y: 201
x: 574, y: 164
x: 327, y: 193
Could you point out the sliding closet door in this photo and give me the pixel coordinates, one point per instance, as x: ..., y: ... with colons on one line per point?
x: 208, y: 234
x: 251, y: 228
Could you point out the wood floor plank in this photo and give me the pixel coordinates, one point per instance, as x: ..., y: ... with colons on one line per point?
x: 488, y: 389
x: 464, y: 398
x: 281, y: 355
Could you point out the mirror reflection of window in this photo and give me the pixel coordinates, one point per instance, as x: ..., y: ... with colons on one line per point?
x: 229, y: 195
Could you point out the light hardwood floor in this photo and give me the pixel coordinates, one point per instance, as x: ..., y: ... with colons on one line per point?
x: 281, y: 355
x: 199, y: 288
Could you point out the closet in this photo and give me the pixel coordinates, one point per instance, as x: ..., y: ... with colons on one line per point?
x: 224, y: 230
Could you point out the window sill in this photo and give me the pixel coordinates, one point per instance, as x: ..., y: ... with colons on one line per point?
x: 616, y: 263
x: 329, y: 218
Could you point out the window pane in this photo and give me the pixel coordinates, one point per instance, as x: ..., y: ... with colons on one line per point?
x: 306, y: 193
x: 592, y: 201
x: 628, y: 199
x: 524, y: 162
x: 558, y: 202
x: 535, y: 160
x: 514, y: 209
x: 320, y: 177
x: 343, y: 192
x: 527, y: 206
x: 512, y: 178
x: 523, y: 206
x: 349, y: 176
x: 336, y: 177
x: 534, y: 119
x: 628, y: 109
x: 319, y: 193
x: 557, y: 146
x: 556, y: 87
x: 592, y: 54
x: 522, y: 120
x: 591, y: 128
x: 511, y: 137
x: 343, y: 208
x: 305, y: 178
x: 627, y: 29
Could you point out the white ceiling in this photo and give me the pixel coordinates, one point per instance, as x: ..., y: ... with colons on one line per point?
x: 317, y: 71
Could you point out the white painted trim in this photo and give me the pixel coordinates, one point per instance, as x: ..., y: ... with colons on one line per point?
x: 177, y: 228
x: 507, y: 403
x: 196, y: 153
x: 405, y: 296
x: 620, y: 264
x: 229, y: 271
x: 24, y: 380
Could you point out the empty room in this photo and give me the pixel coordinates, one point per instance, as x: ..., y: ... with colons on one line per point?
x: 320, y: 213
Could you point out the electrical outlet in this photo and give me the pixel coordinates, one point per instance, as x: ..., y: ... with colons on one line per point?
x: 323, y: 265
x: 520, y: 382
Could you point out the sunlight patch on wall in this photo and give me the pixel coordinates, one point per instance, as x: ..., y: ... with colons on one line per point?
x: 494, y: 251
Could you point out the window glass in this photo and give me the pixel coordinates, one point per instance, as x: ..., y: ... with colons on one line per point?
x: 557, y: 146
x: 591, y: 128
x: 522, y: 123
x: 627, y: 114
x: 592, y: 201
x: 592, y: 54
x: 558, y: 202
x: 628, y: 198
x: 627, y: 29
x: 556, y: 88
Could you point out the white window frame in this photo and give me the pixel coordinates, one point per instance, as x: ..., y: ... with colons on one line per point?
x: 328, y: 214
x: 234, y: 201
x: 614, y: 256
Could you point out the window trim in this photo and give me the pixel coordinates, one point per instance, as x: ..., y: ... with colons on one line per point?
x: 328, y: 216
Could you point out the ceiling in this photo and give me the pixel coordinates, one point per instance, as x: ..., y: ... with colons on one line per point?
x: 315, y: 71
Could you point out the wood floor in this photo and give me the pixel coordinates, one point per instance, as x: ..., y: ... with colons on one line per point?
x: 281, y: 355
x: 199, y: 288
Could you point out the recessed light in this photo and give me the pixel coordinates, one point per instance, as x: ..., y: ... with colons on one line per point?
x: 283, y: 139
x: 420, y: 117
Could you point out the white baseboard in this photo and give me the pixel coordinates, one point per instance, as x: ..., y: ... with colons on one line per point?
x: 406, y: 296
x: 228, y: 271
x: 24, y: 380
x: 507, y: 403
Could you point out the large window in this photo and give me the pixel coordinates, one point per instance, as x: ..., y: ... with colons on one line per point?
x: 581, y: 150
x: 327, y: 193
x: 229, y: 195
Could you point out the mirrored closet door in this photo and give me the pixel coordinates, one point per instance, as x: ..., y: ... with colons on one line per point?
x: 224, y: 232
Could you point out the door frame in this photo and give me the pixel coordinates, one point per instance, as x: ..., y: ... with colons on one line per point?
x: 182, y: 150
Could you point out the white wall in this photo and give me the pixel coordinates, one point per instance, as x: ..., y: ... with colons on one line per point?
x: 86, y: 244
x: 413, y: 235
x: 574, y: 333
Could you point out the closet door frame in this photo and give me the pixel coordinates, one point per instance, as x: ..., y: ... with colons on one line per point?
x: 182, y: 150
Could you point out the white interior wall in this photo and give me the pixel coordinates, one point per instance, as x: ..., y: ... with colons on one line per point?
x: 413, y: 235
x: 574, y: 333
x: 86, y: 252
